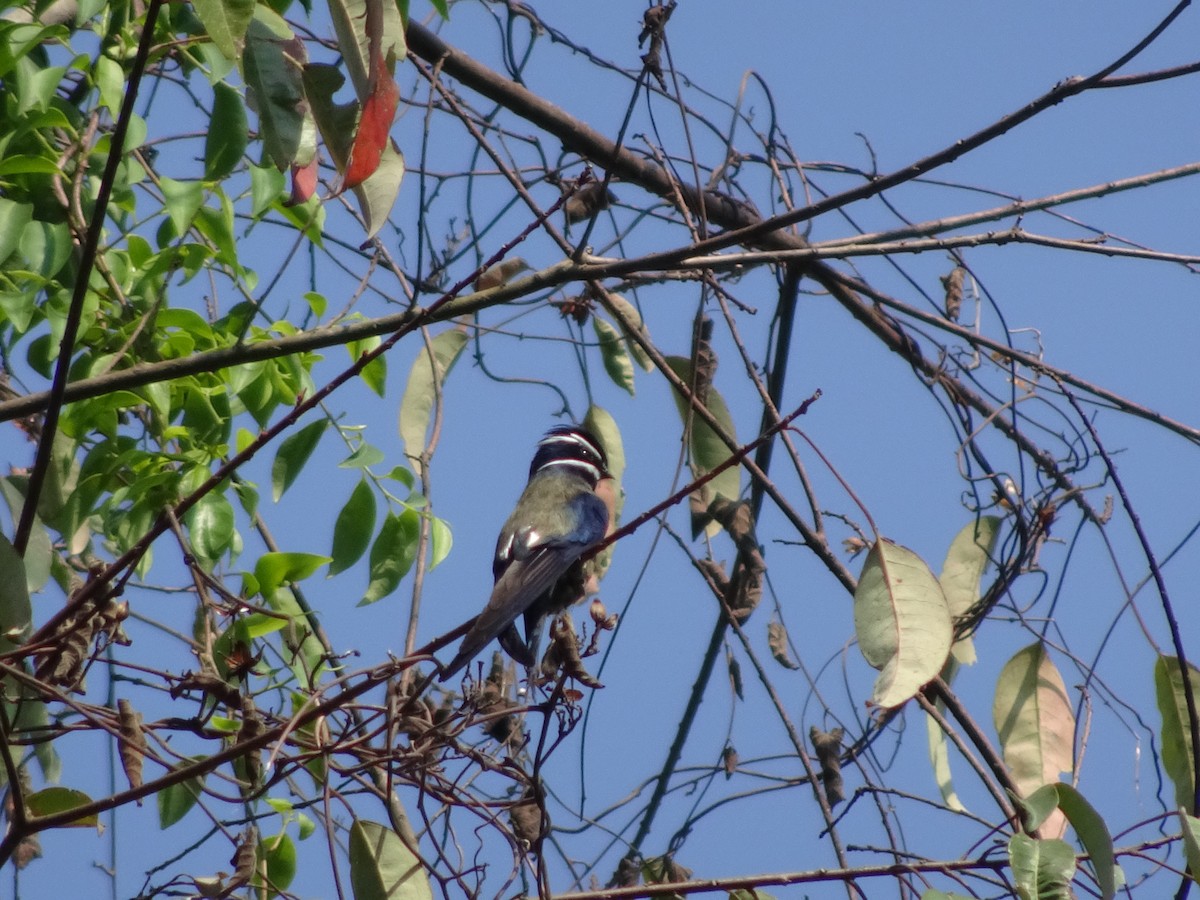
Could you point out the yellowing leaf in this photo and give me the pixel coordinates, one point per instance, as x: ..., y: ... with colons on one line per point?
x: 1033, y: 717
x: 425, y: 380
x: 902, y: 622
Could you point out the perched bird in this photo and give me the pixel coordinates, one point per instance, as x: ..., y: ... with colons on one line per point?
x: 537, y: 566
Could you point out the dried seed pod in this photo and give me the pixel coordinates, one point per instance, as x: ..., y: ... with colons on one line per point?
x: 729, y: 761
x: 132, y: 748
x: 528, y: 820
x: 953, y: 284
x: 828, y: 747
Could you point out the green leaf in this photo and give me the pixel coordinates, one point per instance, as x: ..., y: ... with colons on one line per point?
x: 425, y: 380
x: 1042, y: 870
x: 1176, y: 735
x: 353, y: 528
x: 382, y: 867
x: 707, y: 450
x: 14, y: 219
x: 182, y: 200
x: 601, y: 423
x: 305, y: 653
x: 293, y: 454
x: 968, y: 557
x: 364, y: 456
x: 176, y: 800
x: 902, y: 622
x: 374, y: 373
x: 210, y: 523
x: 377, y: 194
x: 271, y: 67
x: 276, y: 569
x: 392, y: 554
x: 110, y: 80
x: 617, y: 362
x: 266, y: 186
x: 227, y: 134
x: 280, y: 855
x: 1093, y: 835
x: 16, y: 613
x: 39, y: 551
x: 53, y: 800
x: 226, y: 22
x: 1033, y: 717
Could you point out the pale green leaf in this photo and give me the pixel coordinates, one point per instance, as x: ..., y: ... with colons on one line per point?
x: 706, y: 449
x: 631, y: 314
x: 966, y: 560
x: 425, y: 381
x: 1176, y: 735
x: 617, y: 362
x: 902, y: 622
x: 377, y: 194
x: 1191, y: 842
x: 382, y: 867
x: 939, y: 758
x: 441, y: 540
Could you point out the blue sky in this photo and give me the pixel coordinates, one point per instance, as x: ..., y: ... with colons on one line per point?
x: 910, y: 79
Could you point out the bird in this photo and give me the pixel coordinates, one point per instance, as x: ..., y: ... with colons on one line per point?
x: 537, y: 567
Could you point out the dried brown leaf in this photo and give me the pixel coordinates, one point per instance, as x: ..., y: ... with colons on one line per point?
x: 777, y: 641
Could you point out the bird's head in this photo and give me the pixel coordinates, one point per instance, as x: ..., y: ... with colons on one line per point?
x: 575, y: 448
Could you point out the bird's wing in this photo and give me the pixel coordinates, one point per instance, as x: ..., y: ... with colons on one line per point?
x: 536, y: 564
x: 519, y: 586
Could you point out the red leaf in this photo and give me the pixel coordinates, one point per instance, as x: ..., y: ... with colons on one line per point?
x: 373, y: 127
x: 304, y: 182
